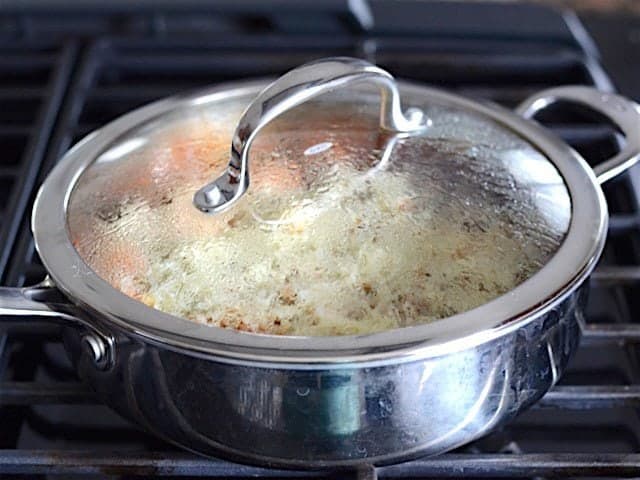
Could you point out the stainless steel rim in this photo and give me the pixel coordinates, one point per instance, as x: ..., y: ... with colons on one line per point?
x: 568, y: 268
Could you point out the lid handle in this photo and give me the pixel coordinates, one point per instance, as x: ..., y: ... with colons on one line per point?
x: 292, y: 89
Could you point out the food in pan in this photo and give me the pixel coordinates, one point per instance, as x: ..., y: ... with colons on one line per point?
x: 324, y: 243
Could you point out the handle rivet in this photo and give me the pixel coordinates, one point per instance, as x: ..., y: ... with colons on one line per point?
x: 97, y: 350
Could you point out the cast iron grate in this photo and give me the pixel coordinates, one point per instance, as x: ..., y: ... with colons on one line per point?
x: 32, y: 82
x: 588, y: 426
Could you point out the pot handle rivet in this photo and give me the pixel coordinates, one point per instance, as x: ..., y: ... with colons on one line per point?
x: 292, y: 89
x: 97, y: 350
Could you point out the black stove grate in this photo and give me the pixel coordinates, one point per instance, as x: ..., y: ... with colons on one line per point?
x: 32, y: 82
x: 50, y: 424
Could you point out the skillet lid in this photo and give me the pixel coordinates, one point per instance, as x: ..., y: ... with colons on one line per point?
x: 346, y: 226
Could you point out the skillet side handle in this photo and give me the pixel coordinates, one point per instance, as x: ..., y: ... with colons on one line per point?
x: 41, y: 302
x: 623, y: 113
x: 44, y: 302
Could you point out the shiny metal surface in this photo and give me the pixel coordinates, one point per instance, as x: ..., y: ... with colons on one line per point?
x: 290, y: 90
x: 324, y: 402
x: 326, y: 416
x: 330, y: 417
x: 624, y: 114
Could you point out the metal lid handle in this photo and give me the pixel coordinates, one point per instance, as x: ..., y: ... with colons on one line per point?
x: 292, y: 89
x: 624, y: 113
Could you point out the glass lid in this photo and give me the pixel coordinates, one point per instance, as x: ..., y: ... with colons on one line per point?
x: 345, y: 227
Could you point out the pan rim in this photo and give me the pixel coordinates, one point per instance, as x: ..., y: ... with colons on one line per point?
x: 561, y: 276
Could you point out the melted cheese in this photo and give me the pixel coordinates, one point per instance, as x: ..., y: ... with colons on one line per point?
x: 359, y: 254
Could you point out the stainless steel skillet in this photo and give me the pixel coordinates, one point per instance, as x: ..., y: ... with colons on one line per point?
x: 310, y: 402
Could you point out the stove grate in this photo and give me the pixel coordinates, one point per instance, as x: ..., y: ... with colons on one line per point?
x: 50, y: 424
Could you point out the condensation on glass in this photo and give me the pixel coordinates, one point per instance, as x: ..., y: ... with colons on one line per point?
x: 345, y: 229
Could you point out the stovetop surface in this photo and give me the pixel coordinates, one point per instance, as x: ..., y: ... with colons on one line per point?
x: 63, y: 75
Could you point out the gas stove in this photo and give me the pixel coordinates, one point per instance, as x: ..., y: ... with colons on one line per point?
x: 70, y: 69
